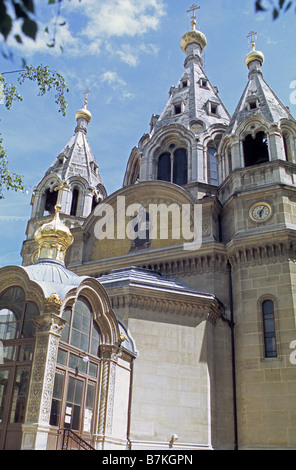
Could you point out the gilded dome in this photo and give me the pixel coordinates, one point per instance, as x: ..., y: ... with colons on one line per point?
x: 254, y: 55
x: 193, y: 36
x: 83, y: 113
x: 53, y: 238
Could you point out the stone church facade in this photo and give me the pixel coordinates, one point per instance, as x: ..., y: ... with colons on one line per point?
x: 161, y: 316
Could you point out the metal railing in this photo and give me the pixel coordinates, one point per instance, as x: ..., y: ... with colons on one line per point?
x: 69, y: 434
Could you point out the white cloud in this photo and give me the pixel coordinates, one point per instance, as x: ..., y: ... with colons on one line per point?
x: 117, y: 84
x: 90, y: 24
x: 120, y: 17
x: 130, y: 54
x: 63, y: 38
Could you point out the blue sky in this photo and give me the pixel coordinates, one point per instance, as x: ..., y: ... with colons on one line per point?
x: 128, y: 53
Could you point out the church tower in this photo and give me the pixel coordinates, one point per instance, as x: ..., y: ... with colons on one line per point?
x: 74, y: 175
x: 258, y: 221
x: 183, y: 141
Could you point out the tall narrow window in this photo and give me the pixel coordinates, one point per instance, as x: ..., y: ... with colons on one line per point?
x: 74, y: 202
x: 180, y: 167
x: 269, y: 329
x: 50, y: 201
x: 212, y: 166
x: 164, y: 167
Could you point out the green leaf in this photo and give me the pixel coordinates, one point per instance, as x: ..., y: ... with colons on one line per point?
x: 50, y: 2
x: 258, y: 6
x: 281, y: 3
x: 288, y: 6
x: 18, y: 38
x: 29, y: 28
x: 275, y: 13
x: 29, y: 4
x: 5, y: 25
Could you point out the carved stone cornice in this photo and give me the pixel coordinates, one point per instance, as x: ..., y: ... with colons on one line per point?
x: 197, y: 306
x: 262, y: 250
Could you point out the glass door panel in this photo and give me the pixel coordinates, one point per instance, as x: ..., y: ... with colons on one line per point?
x: 89, y: 407
x: 73, y: 404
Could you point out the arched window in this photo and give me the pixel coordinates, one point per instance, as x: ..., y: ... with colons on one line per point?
x: 180, y: 167
x: 17, y: 341
x: 74, y: 204
x: 172, y: 166
x: 16, y: 315
x: 212, y: 165
x: 270, y: 349
x: 164, y: 167
x: 51, y: 197
x: 255, y: 149
x: 77, y: 373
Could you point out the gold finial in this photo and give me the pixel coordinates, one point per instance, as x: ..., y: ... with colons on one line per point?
x: 193, y: 8
x: 84, y: 113
x: 253, y: 54
x: 193, y: 36
x: 86, y: 93
x: 251, y: 35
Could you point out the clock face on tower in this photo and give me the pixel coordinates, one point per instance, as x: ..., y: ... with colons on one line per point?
x: 260, y: 212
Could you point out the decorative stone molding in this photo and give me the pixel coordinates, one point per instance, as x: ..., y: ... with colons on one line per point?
x: 48, y: 331
x: 109, y: 355
x: 268, y: 252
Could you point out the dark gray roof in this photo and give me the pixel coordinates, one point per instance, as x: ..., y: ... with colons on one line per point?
x: 134, y: 276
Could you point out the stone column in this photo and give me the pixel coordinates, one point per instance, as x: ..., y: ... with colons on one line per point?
x: 48, y: 329
x: 276, y: 144
x: 109, y: 355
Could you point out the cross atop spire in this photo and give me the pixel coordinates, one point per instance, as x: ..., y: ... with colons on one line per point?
x: 193, y: 9
x: 86, y: 93
x: 253, y: 36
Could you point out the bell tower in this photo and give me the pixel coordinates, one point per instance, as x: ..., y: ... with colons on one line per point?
x: 182, y: 144
x: 74, y: 177
x: 256, y: 160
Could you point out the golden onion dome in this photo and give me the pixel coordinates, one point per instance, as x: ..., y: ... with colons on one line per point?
x: 83, y: 113
x: 254, y: 55
x: 193, y: 36
x: 53, y: 238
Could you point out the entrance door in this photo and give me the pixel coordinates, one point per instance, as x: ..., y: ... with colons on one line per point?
x: 73, y: 406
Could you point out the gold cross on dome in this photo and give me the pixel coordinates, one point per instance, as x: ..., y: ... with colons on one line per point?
x: 60, y: 188
x: 86, y: 93
x: 193, y: 8
x: 253, y: 36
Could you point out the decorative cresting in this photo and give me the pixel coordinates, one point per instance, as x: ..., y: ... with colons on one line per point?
x: 54, y: 237
x: 193, y: 36
x: 253, y: 55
